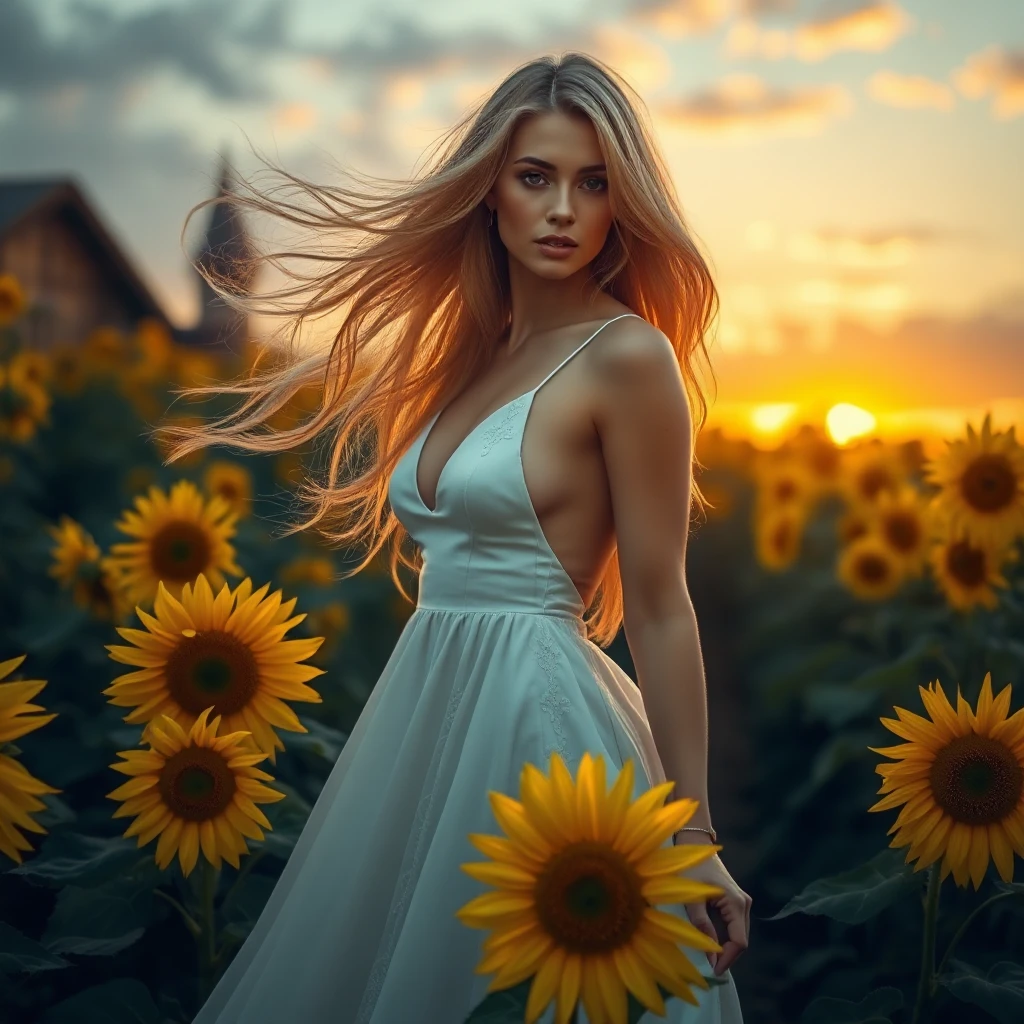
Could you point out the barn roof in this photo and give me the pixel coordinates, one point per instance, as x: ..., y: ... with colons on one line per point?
x: 22, y: 198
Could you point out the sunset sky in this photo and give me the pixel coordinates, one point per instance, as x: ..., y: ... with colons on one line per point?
x: 851, y: 171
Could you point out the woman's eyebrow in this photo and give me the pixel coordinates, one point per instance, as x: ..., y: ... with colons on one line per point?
x: 551, y: 167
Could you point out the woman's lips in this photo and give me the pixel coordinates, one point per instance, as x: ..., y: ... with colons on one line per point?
x: 555, y: 251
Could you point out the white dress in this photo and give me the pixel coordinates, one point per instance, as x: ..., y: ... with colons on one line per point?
x: 492, y: 669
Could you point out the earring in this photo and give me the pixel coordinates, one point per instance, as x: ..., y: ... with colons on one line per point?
x: 490, y: 223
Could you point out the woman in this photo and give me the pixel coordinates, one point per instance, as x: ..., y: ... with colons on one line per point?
x: 533, y: 438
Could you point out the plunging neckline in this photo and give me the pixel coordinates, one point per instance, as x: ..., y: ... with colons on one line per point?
x: 425, y: 436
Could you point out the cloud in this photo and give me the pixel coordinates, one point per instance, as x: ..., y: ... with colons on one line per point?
x: 102, y: 49
x: 870, y: 249
x: 996, y: 71
x: 677, y: 18
x: 910, y: 91
x: 744, y: 105
x: 873, y: 26
x: 925, y: 360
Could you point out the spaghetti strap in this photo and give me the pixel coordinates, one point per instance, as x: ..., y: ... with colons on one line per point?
x: 581, y: 347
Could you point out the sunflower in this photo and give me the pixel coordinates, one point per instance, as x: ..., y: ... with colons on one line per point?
x: 869, y: 470
x: 74, y: 548
x: 179, y: 537
x: 105, y: 350
x: 67, y: 369
x: 314, y: 569
x: 961, y: 776
x: 332, y: 622
x: 966, y: 571
x: 777, y: 537
x: 981, y: 483
x: 194, y: 790
x: 901, y: 521
x: 821, y: 458
x: 155, y: 348
x: 12, y: 299
x: 853, y: 523
x: 191, y: 367
x: 33, y: 368
x: 228, y: 652
x: 783, y: 483
x: 232, y: 482
x: 19, y: 790
x: 24, y: 407
x: 576, y: 879
x: 870, y: 569
x: 78, y: 566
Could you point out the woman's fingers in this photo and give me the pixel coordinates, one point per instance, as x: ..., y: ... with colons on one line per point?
x: 735, y: 910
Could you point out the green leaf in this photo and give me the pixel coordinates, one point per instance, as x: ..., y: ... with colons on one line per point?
x: 69, y: 857
x: 840, y: 750
x: 321, y: 739
x: 20, y: 953
x: 121, y: 1001
x: 835, y: 703
x: 905, y: 671
x: 247, y: 899
x: 874, y: 1008
x: 103, y: 920
x: 858, y: 895
x: 1000, y: 992
x: 507, y: 1006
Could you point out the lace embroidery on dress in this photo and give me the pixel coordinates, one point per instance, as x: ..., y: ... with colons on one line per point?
x: 503, y: 429
x: 554, y: 702
x: 410, y: 872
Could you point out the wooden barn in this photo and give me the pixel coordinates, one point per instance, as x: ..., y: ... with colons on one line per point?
x: 77, y: 278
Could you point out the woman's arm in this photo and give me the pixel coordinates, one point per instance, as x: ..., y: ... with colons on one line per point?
x: 643, y: 419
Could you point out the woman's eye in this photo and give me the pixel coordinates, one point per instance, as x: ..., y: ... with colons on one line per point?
x: 537, y: 174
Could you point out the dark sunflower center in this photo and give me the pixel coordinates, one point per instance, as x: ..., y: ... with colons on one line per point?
x: 180, y: 552
x: 824, y: 459
x: 871, y: 568
x: 902, y: 530
x: 228, y: 490
x: 977, y: 780
x: 988, y: 484
x: 782, y: 536
x: 215, y: 668
x: 853, y: 528
x: 589, y: 899
x: 196, y: 784
x: 785, y: 489
x: 874, y: 479
x: 966, y: 564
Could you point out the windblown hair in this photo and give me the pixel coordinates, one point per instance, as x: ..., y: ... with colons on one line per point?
x: 426, y: 300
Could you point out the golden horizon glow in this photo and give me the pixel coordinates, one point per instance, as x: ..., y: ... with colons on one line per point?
x: 772, y: 417
x: 845, y: 421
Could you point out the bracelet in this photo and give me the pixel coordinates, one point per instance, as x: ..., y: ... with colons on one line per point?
x: 696, y: 828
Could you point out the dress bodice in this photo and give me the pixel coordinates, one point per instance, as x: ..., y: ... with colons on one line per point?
x: 483, y: 547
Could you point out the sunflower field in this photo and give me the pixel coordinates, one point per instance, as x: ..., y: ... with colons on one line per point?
x: 166, y: 723
x: 121, y: 899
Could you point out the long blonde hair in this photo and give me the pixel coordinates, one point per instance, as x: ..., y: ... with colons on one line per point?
x: 427, y: 301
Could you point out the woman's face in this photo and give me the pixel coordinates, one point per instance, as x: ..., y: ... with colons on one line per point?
x: 553, y: 183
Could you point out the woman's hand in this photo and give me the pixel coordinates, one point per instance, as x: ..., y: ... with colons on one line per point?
x: 734, y: 906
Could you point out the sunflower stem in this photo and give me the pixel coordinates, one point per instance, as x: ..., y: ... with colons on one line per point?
x: 250, y: 861
x: 926, y: 982
x: 207, y: 940
x: 970, y: 917
x: 190, y: 921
